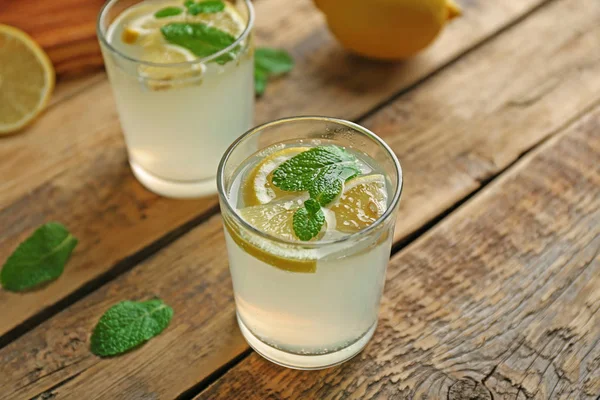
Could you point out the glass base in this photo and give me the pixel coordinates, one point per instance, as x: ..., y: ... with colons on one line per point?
x: 174, y: 189
x: 305, y: 362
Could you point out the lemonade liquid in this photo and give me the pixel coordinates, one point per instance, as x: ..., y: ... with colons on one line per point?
x: 178, y: 115
x: 307, y: 299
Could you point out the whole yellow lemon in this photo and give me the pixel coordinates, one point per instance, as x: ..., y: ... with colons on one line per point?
x: 387, y: 29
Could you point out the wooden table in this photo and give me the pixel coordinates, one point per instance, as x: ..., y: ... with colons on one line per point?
x: 493, y: 288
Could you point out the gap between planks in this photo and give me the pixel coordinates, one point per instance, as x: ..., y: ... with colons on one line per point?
x: 523, y: 158
x: 488, y: 188
x: 523, y: 155
x: 118, y: 269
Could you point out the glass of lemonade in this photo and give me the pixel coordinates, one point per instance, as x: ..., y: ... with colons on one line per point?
x: 182, y: 77
x: 309, y: 206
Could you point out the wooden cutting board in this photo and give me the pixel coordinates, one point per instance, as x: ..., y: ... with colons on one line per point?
x: 66, y: 29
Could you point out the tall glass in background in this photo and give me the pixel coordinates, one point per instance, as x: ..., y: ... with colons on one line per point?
x: 178, y: 118
x: 313, y: 304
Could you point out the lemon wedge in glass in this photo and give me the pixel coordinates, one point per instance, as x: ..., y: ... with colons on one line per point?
x: 363, y: 201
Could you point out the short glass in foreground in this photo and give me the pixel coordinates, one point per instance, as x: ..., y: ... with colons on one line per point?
x: 181, y: 101
x: 308, y: 304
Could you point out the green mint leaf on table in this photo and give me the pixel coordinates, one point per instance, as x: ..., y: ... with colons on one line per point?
x: 199, y: 38
x: 269, y: 62
x: 129, y: 324
x: 168, y: 12
x: 273, y: 61
x: 260, y: 80
x: 188, y: 3
x: 322, y: 172
x: 40, y: 258
x: 308, y: 220
x: 206, y: 7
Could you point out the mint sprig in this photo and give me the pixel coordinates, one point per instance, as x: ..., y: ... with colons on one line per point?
x: 40, y: 258
x: 168, y: 12
x: 322, y: 172
x: 129, y: 324
x: 269, y: 63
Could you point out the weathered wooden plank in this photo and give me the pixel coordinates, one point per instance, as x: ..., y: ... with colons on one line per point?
x: 494, y: 107
x: 67, y: 34
x: 502, y: 299
x: 327, y: 74
x: 69, y: 87
x: 38, y: 361
x: 191, y: 276
x: 71, y: 165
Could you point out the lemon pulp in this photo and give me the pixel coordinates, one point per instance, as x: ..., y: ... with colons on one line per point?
x: 26, y: 79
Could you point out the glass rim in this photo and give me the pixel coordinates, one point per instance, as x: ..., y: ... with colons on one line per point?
x: 102, y: 37
x: 354, y: 236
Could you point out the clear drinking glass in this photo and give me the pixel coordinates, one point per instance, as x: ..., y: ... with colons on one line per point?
x: 178, y: 118
x: 307, y: 305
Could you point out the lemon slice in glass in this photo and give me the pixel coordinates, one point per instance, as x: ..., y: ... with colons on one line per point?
x: 142, y: 30
x: 363, y: 201
x: 275, y: 219
x: 26, y: 79
x: 229, y: 20
x: 165, y: 54
x: 142, y: 22
x: 258, y: 187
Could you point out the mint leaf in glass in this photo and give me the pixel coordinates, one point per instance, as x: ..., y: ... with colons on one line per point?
x: 168, y: 12
x: 40, y: 258
x: 129, y: 324
x: 315, y: 170
x: 199, y: 38
x: 269, y: 62
x: 324, y: 191
x: 206, y: 7
x: 322, y: 172
x: 308, y: 220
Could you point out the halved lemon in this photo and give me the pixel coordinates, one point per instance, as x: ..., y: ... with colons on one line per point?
x: 258, y: 187
x: 363, y: 201
x: 26, y: 79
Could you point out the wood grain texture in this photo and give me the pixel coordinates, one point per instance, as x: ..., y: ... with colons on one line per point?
x: 40, y: 360
x: 67, y: 88
x: 191, y: 276
x: 66, y: 29
x: 329, y: 80
x: 479, y: 116
x: 499, y: 301
x: 71, y: 164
